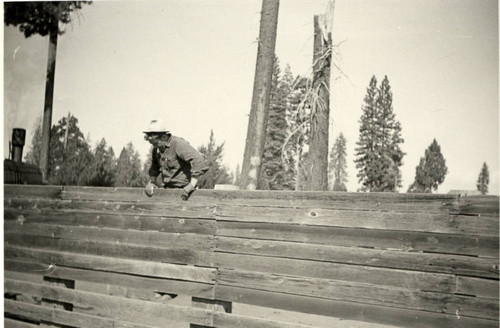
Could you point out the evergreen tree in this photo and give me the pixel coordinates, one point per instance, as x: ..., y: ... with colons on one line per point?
x: 217, y: 173
x: 104, y: 166
x: 69, y: 166
x: 273, y: 174
x: 338, y: 165
x: 483, y: 180
x: 34, y: 151
x: 390, y: 139
x: 378, y: 153
x: 366, y: 152
x: 431, y: 170
x: 129, y: 168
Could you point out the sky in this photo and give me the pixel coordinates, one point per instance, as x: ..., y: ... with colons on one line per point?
x: 191, y: 63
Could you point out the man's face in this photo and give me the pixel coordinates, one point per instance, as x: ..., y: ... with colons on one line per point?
x: 153, y: 138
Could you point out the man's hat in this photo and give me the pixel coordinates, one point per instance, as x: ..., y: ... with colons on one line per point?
x: 156, y: 126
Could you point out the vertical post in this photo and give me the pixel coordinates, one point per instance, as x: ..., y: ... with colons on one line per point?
x: 49, y: 95
x: 320, y: 111
x: 257, y: 122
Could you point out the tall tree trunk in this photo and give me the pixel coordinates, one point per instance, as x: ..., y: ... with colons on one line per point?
x: 66, y: 132
x: 49, y: 95
x: 256, y: 133
x: 320, y: 113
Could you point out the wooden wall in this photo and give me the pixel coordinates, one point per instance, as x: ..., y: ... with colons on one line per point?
x: 112, y: 257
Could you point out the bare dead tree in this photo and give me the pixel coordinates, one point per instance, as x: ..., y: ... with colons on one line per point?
x: 320, y: 109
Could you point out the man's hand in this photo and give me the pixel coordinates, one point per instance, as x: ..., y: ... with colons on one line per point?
x: 149, y: 189
x: 187, y: 191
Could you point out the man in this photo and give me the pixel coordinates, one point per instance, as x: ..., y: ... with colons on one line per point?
x: 179, y: 164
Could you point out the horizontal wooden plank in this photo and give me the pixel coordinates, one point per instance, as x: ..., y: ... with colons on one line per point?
x: 17, y: 268
x: 487, y: 288
x: 415, y: 261
x: 390, y: 220
x: 31, y: 276
x: 62, y: 317
x: 352, y: 237
x: 32, y: 191
x: 121, y: 291
x: 11, y: 323
x: 104, y: 193
x: 176, y: 209
x: 362, y: 293
x: 231, y: 320
x: 133, y: 195
x: 104, y: 263
x: 327, y: 196
x: 479, y: 205
x: 131, y: 310
x: 350, y: 310
x: 371, y: 201
x: 336, y: 271
x: 112, y: 249
x: 275, y: 194
x: 112, y: 220
x: 112, y: 235
x: 352, y: 202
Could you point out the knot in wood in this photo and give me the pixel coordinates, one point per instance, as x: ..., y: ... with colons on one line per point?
x: 21, y: 219
x: 312, y: 214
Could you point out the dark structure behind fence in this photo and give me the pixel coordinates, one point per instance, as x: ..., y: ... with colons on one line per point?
x: 111, y: 257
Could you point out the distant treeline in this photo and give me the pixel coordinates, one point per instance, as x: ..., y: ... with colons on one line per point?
x: 285, y: 166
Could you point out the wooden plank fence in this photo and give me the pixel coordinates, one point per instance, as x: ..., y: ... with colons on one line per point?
x: 112, y: 257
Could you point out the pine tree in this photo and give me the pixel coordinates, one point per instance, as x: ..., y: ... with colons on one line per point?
x: 431, y: 170
x: 338, y: 165
x: 483, y: 180
x: 104, y: 166
x: 379, y: 155
x: 366, y: 152
x: 390, y: 139
x: 69, y: 166
x: 273, y: 174
x: 129, y: 168
x: 217, y: 172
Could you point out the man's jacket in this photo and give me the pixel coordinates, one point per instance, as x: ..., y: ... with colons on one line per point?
x: 177, y: 161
